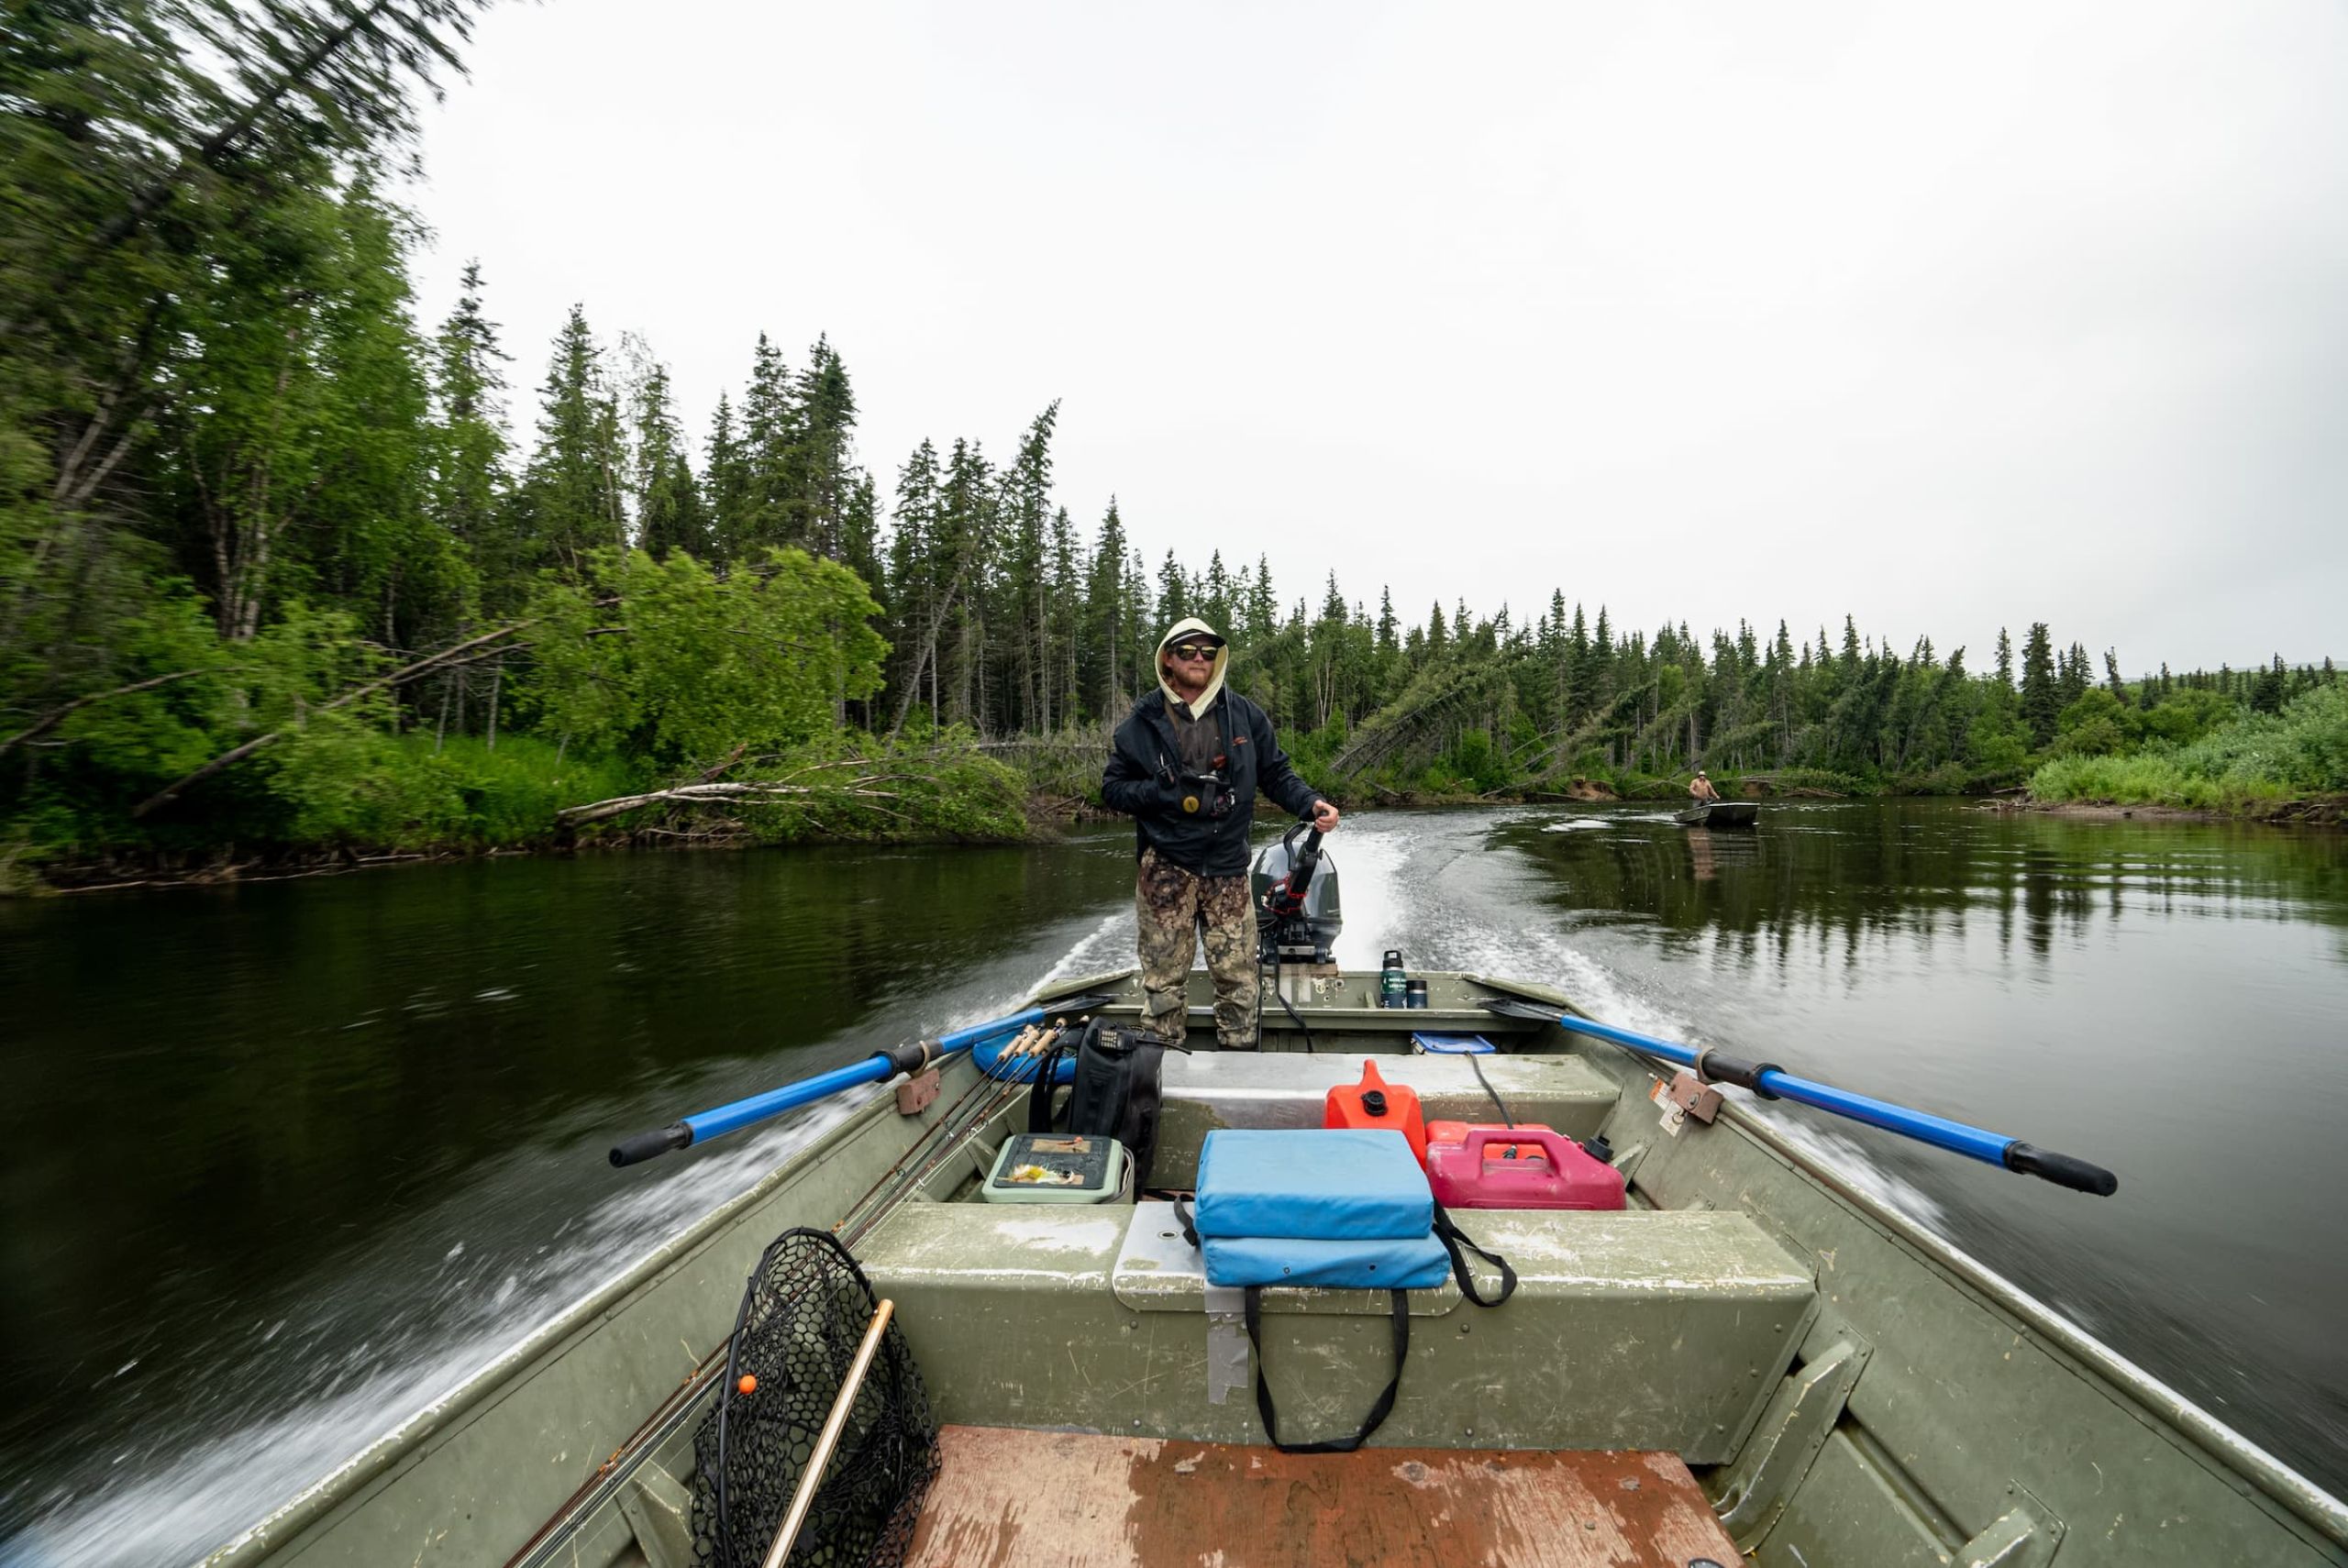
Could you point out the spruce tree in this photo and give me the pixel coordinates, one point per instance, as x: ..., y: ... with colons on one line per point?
x: 2075, y: 675
x: 822, y: 473
x: 1173, y: 593
x: 2041, y: 700
x: 669, y: 515
x: 468, y: 449
x: 1101, y: 666
x: 770, y: 428
x: 1262, y: 605
x: 728, y: 489
x: 916, y: 586
x: 571, y: 493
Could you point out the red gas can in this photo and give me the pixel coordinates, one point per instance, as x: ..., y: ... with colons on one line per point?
x: 1549, y: 1172
x: 1456, y: 1132
x: 1377, y: 1105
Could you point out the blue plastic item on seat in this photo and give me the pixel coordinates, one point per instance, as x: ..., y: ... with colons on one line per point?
x: 988, y: 1055
x: 1453, y: 1044
x: 1368, y: 1262
x: 1313, y: 1183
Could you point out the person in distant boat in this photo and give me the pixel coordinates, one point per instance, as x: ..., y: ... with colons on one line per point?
x: 1187, y: 765
x: 1702, y: 788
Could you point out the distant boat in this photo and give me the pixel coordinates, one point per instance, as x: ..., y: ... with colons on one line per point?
x: 1722, y: 813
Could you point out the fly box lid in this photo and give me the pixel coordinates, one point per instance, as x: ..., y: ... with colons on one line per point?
x: 1057, y: 1168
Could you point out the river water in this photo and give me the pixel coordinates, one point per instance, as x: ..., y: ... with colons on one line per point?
x: 286, y: 1161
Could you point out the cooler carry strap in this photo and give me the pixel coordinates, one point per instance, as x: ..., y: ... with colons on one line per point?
x: 1453, y: 1238
x: 1378, y: 1412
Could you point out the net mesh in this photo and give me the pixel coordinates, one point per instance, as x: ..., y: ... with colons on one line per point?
x: 803, y: 1316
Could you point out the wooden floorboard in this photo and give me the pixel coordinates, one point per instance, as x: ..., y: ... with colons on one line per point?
x: 1008, y: 1499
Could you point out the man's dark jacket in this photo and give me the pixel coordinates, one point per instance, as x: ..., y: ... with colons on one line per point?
x: 1143, y: 778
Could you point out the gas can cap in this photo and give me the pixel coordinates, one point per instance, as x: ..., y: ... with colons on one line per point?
x: 1373, y: 1101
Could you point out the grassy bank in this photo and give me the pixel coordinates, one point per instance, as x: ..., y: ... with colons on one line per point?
x: 2254, y: 765
x: 369, y: 796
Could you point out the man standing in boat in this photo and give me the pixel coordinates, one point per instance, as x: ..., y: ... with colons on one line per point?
x: 1702, y: 788
x: 1187, y: 765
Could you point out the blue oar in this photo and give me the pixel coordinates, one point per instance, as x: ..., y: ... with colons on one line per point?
x: 1772, y: 1082
x: 879, y: 1067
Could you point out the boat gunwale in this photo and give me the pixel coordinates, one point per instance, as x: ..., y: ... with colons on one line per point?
x: 2164, y: 1407
x: 283, y: 1524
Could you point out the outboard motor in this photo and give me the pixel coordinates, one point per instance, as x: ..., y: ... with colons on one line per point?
x: 1297, y: 913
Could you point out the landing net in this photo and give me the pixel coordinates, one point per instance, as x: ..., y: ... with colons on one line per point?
x: 803, y: 1316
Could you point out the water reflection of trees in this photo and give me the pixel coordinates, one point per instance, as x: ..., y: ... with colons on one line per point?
x: 1831, y: 879
x: 258, y: 1076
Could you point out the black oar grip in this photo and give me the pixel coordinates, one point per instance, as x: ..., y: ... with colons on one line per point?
x: 1720, y: 1067
x: 2061, y: 1169
x: 644, y: 1145
x: 911, y: 1059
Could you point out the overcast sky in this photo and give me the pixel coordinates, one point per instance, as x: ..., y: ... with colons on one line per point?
x: 1950, y: 316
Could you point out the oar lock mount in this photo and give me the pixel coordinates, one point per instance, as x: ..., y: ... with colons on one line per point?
x: 1690, y: 1097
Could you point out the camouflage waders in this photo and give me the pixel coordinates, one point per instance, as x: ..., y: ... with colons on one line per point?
x: 1172, y: 904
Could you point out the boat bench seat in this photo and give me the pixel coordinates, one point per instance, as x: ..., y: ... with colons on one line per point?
x: 1656, y: 1330
x: 1209, y: 1089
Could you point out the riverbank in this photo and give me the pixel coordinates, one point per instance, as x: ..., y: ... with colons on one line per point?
x: 414, y: 801
x: 2328, y: 812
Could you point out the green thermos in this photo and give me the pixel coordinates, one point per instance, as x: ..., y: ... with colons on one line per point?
x: 1391, y: 985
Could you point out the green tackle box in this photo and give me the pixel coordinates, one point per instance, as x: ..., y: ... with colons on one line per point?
x: 1058, y: 1168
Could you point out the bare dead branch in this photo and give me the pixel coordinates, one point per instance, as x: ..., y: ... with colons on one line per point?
x: 57, y: 715
x: 423, y: 667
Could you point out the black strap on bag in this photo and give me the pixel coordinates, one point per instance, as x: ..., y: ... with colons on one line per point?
x: 1117, y: 1093
x: 1378, y: 1412
x: 1453, y: 1238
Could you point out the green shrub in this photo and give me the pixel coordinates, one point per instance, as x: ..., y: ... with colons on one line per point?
x: 2255, y: 759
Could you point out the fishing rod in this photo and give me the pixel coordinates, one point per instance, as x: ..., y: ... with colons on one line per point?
x: 879, y: 1067
x: 1020, y: 1064
x: 1772, y: 1082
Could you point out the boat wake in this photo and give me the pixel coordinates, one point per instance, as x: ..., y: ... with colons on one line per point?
x: 339, y: 1380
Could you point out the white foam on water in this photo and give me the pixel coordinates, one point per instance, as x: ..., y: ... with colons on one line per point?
x: 188, y: 1496
x: 1108, y: 946
x: 1440, y: 929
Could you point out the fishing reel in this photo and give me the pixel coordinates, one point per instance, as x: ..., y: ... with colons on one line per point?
x: 1208, y: 795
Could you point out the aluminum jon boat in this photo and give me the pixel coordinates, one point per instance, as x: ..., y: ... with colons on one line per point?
x: 1722, y: 813
x: 1754, y: 1361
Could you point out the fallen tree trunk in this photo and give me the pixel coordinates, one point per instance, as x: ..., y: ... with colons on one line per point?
x: 442, y: 660
x: 751, y: 791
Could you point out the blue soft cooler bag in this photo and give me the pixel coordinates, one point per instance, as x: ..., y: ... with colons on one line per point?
x: 1315, y: 1184
x: 1336, y: 1207
x: 1373, y: 1263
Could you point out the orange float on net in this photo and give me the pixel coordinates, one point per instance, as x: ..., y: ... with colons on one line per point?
x: 746, y: 1384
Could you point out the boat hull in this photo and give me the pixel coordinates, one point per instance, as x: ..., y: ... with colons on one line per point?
x: 1722, y: 813
x: 1821, y: 1362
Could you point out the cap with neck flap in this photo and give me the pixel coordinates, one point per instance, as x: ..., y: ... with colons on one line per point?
x: 1191, y: 626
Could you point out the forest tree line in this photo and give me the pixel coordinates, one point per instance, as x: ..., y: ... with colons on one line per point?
x: 276, y: 568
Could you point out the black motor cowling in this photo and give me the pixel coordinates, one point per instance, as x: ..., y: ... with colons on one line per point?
x: 1295, y: 890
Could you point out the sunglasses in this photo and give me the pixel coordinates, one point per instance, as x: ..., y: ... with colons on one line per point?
x: 1195, y: 650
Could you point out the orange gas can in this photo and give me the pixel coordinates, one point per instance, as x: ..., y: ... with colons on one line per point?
x: 1376, y: 1105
